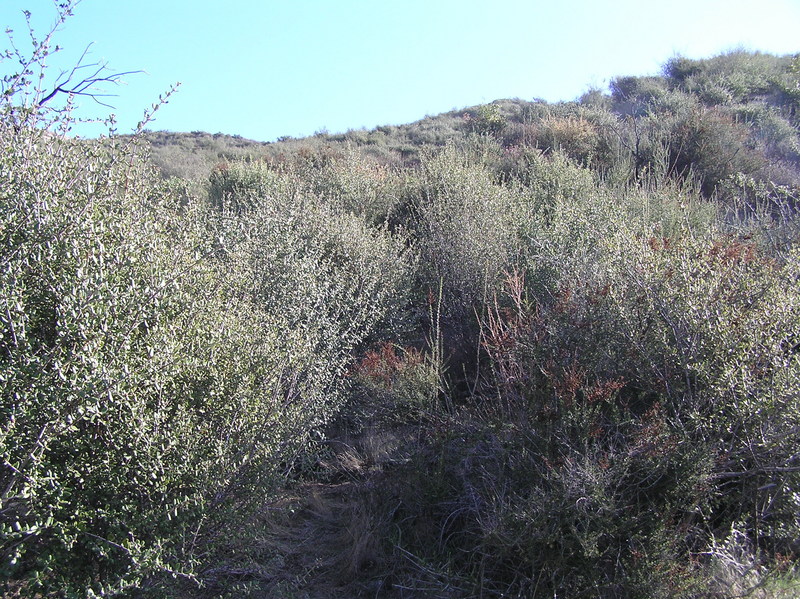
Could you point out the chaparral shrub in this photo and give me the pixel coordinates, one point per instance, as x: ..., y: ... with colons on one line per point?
x: 163, y: 361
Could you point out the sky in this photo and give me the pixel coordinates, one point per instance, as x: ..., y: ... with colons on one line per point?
x: 269, y: 68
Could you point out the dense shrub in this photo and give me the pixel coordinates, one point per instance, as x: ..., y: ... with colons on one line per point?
x: 777, y: 135
x: 575, y: 136
x: 134, y: 399
x: 328, y: 272
x: 357, y: 184
x: 653, y: 384
x: 238, y: 187
x: 738, y: 74
x: 164, y: 360
x: 681, y: 139
x: 464, y: 228
x: 624, y: 419
x: 579, y: 366
x: 487, y: 119
x: 636, y: 95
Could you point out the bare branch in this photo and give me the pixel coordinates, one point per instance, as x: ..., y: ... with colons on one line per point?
x: 67, y: 83
x: 83, y: 79
x: 41, y: 49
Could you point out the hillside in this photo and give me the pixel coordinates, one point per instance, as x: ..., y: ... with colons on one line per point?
x: 735, y: 113
x: 518, y: 349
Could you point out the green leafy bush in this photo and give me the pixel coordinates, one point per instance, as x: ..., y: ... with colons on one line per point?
x: 463, y: 222
x: 328, y: 272
x: 125, y: 377
x: 238, y: 187
x: 637, y: 403
x: 358, y: 185
x: 487, y: 120
x: 679, y: 138
x: 164, y: 360
x: 659, y: 401
x: 636, y: 95
x: 737, y: 75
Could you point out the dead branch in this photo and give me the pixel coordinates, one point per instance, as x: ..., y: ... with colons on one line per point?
x: 85, y: 86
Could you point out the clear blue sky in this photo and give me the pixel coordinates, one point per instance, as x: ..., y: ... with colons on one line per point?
x: 266, y: 68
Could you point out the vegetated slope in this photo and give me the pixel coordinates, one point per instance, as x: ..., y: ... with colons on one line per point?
x: 516, y: 350
x: 735, y: 113
x: 593, y: 391
x: 194, y: 155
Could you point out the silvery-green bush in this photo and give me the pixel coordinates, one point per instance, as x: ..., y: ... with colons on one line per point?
x: 164, y: 360
x: 464, y: 226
